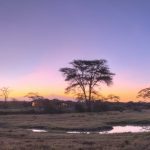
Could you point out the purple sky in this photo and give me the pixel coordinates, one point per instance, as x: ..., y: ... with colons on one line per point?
x: 37, y: 37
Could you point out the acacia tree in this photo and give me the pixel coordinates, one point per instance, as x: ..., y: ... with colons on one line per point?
x: 33, y: 96
x: 144, y: 93
x: 85, y: 75
x: 5, y: 93
x: 112, y: 97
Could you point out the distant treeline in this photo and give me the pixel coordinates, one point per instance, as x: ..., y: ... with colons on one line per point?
x: 59, y: 106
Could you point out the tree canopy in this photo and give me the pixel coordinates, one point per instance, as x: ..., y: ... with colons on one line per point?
x: 33, y: 96
x: 113, y: 98
x: 144, y: 93
x: 85, y: 75
x: 5, y: 92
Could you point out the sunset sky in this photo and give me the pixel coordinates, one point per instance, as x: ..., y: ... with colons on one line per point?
x: 38, y: 37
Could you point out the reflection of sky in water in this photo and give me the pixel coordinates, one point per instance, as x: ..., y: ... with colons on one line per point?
x: 118, y: 129
x: 124, y: 129
x: 38, y: 130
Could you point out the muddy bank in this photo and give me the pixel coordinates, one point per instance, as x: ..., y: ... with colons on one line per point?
x: 102, y: 128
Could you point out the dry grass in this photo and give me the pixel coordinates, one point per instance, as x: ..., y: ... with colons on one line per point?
x: 15, y: 136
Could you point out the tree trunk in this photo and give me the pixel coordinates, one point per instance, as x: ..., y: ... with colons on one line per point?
x: 5, y: 102
x: 89, y: 97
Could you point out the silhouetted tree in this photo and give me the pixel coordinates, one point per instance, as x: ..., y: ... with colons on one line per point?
x: 34, y: 96
x: 112, y: 97
x: 144, y: 93
x: 5, y: 92
x: 85, y: 76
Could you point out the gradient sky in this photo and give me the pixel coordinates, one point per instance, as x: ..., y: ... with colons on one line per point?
x: 38, y: 37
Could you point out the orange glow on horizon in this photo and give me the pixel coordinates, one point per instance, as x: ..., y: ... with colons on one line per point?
x: 128, y: 95
x: 52, y: 85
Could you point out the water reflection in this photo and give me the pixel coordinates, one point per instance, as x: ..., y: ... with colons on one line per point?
x: 128, y: 128
x: 38, y: 130
x: 118, y: 129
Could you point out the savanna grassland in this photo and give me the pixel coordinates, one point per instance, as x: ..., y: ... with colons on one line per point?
x: 15, y: 133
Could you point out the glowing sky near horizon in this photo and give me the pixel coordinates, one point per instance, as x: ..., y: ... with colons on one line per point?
x: 38, y: 37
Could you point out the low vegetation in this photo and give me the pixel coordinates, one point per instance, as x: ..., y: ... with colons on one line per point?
x: 15, y: 133
x: 58, y: 117
x: 46, y: 106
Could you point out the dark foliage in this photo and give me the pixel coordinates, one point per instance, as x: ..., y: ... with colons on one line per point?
x: 144, y: 93
x: 60, y: 106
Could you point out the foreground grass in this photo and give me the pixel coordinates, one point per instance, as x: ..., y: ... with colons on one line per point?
x: 14, y: 133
